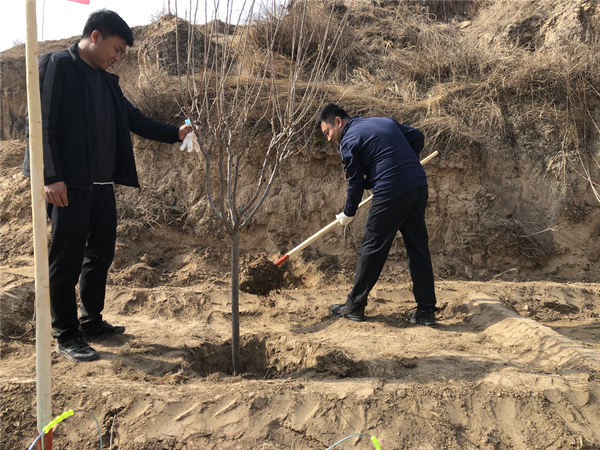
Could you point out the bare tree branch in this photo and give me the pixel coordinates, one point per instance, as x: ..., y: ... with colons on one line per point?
x: 254, y: 88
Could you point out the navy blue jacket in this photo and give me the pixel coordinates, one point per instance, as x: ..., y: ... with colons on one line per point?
x: 380, y: 154
x: 66, y: 121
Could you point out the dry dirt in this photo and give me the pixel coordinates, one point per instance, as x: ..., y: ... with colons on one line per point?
x: 511, y: 364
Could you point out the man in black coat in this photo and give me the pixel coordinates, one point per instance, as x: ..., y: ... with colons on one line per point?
x: 86, y: 123
x: 380, y: 154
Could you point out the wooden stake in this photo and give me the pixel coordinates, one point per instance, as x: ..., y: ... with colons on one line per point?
x: 40, y: 245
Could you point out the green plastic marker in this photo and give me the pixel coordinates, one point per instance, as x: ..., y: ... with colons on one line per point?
x: 57, y: 420
x: 375, y: 443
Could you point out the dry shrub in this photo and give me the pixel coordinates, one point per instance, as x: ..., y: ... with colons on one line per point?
x: 293, y: 23
x: 171, y: 43
x: 154, y: 94
x: 218, y: 26
x: 447, y: 10
x: 471, y: 83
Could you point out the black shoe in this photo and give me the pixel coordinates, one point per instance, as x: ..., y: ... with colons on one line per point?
x: 357, y: 315
x: 104, y: 329
x: 423, y: 317
x: 77, y: 349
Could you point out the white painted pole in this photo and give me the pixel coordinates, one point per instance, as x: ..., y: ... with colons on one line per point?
x: 40, y: 245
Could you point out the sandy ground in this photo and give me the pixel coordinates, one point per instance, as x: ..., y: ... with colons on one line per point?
x: 510, y: 365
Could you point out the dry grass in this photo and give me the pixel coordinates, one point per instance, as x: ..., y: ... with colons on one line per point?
x: 311, y: 26
x: 467, y: 73
x: 473, y: 83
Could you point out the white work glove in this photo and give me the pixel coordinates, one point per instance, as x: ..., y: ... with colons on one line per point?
x: 343, y: 219
x: 190, y: 142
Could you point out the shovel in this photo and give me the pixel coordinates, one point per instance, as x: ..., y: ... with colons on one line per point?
x: 333, y: 224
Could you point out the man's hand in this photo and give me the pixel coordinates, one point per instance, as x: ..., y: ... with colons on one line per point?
x: 343, y: 219
x: 184, y: 130
x: 56, y: 193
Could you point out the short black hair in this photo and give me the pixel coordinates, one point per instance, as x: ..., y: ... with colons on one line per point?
x: 330, y: 112
x: 108, y: 23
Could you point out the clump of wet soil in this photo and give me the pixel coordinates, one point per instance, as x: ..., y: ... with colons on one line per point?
x: 261, y: 277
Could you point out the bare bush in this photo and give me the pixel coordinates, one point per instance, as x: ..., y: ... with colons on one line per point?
x: 484, y: 86
x: 255, y: 100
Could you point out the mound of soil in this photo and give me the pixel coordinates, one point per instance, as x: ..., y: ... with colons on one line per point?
x: 261, y: 277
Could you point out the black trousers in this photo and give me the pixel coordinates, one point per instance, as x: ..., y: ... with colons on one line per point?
x: 405, y: 213
x: 82, y: 248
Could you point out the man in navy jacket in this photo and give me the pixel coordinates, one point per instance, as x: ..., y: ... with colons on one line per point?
x: 86, y: 121
x: 380, y: 154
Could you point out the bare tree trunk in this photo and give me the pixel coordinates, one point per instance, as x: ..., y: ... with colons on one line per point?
x: 240, y: 89
x: 235, y: 300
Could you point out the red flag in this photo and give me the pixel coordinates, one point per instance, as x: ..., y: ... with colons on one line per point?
x: 85, y: 2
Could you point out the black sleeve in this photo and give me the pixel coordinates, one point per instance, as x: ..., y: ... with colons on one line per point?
x: 354, y: 174
x: 51, y: 79
x: 149, y: 128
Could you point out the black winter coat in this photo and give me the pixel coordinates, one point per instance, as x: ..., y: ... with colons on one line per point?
x: 66, y: 124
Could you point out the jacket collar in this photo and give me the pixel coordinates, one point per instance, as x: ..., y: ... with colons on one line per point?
x: 348, y: 124
x: 74, y: 52
x: 82, y: 65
